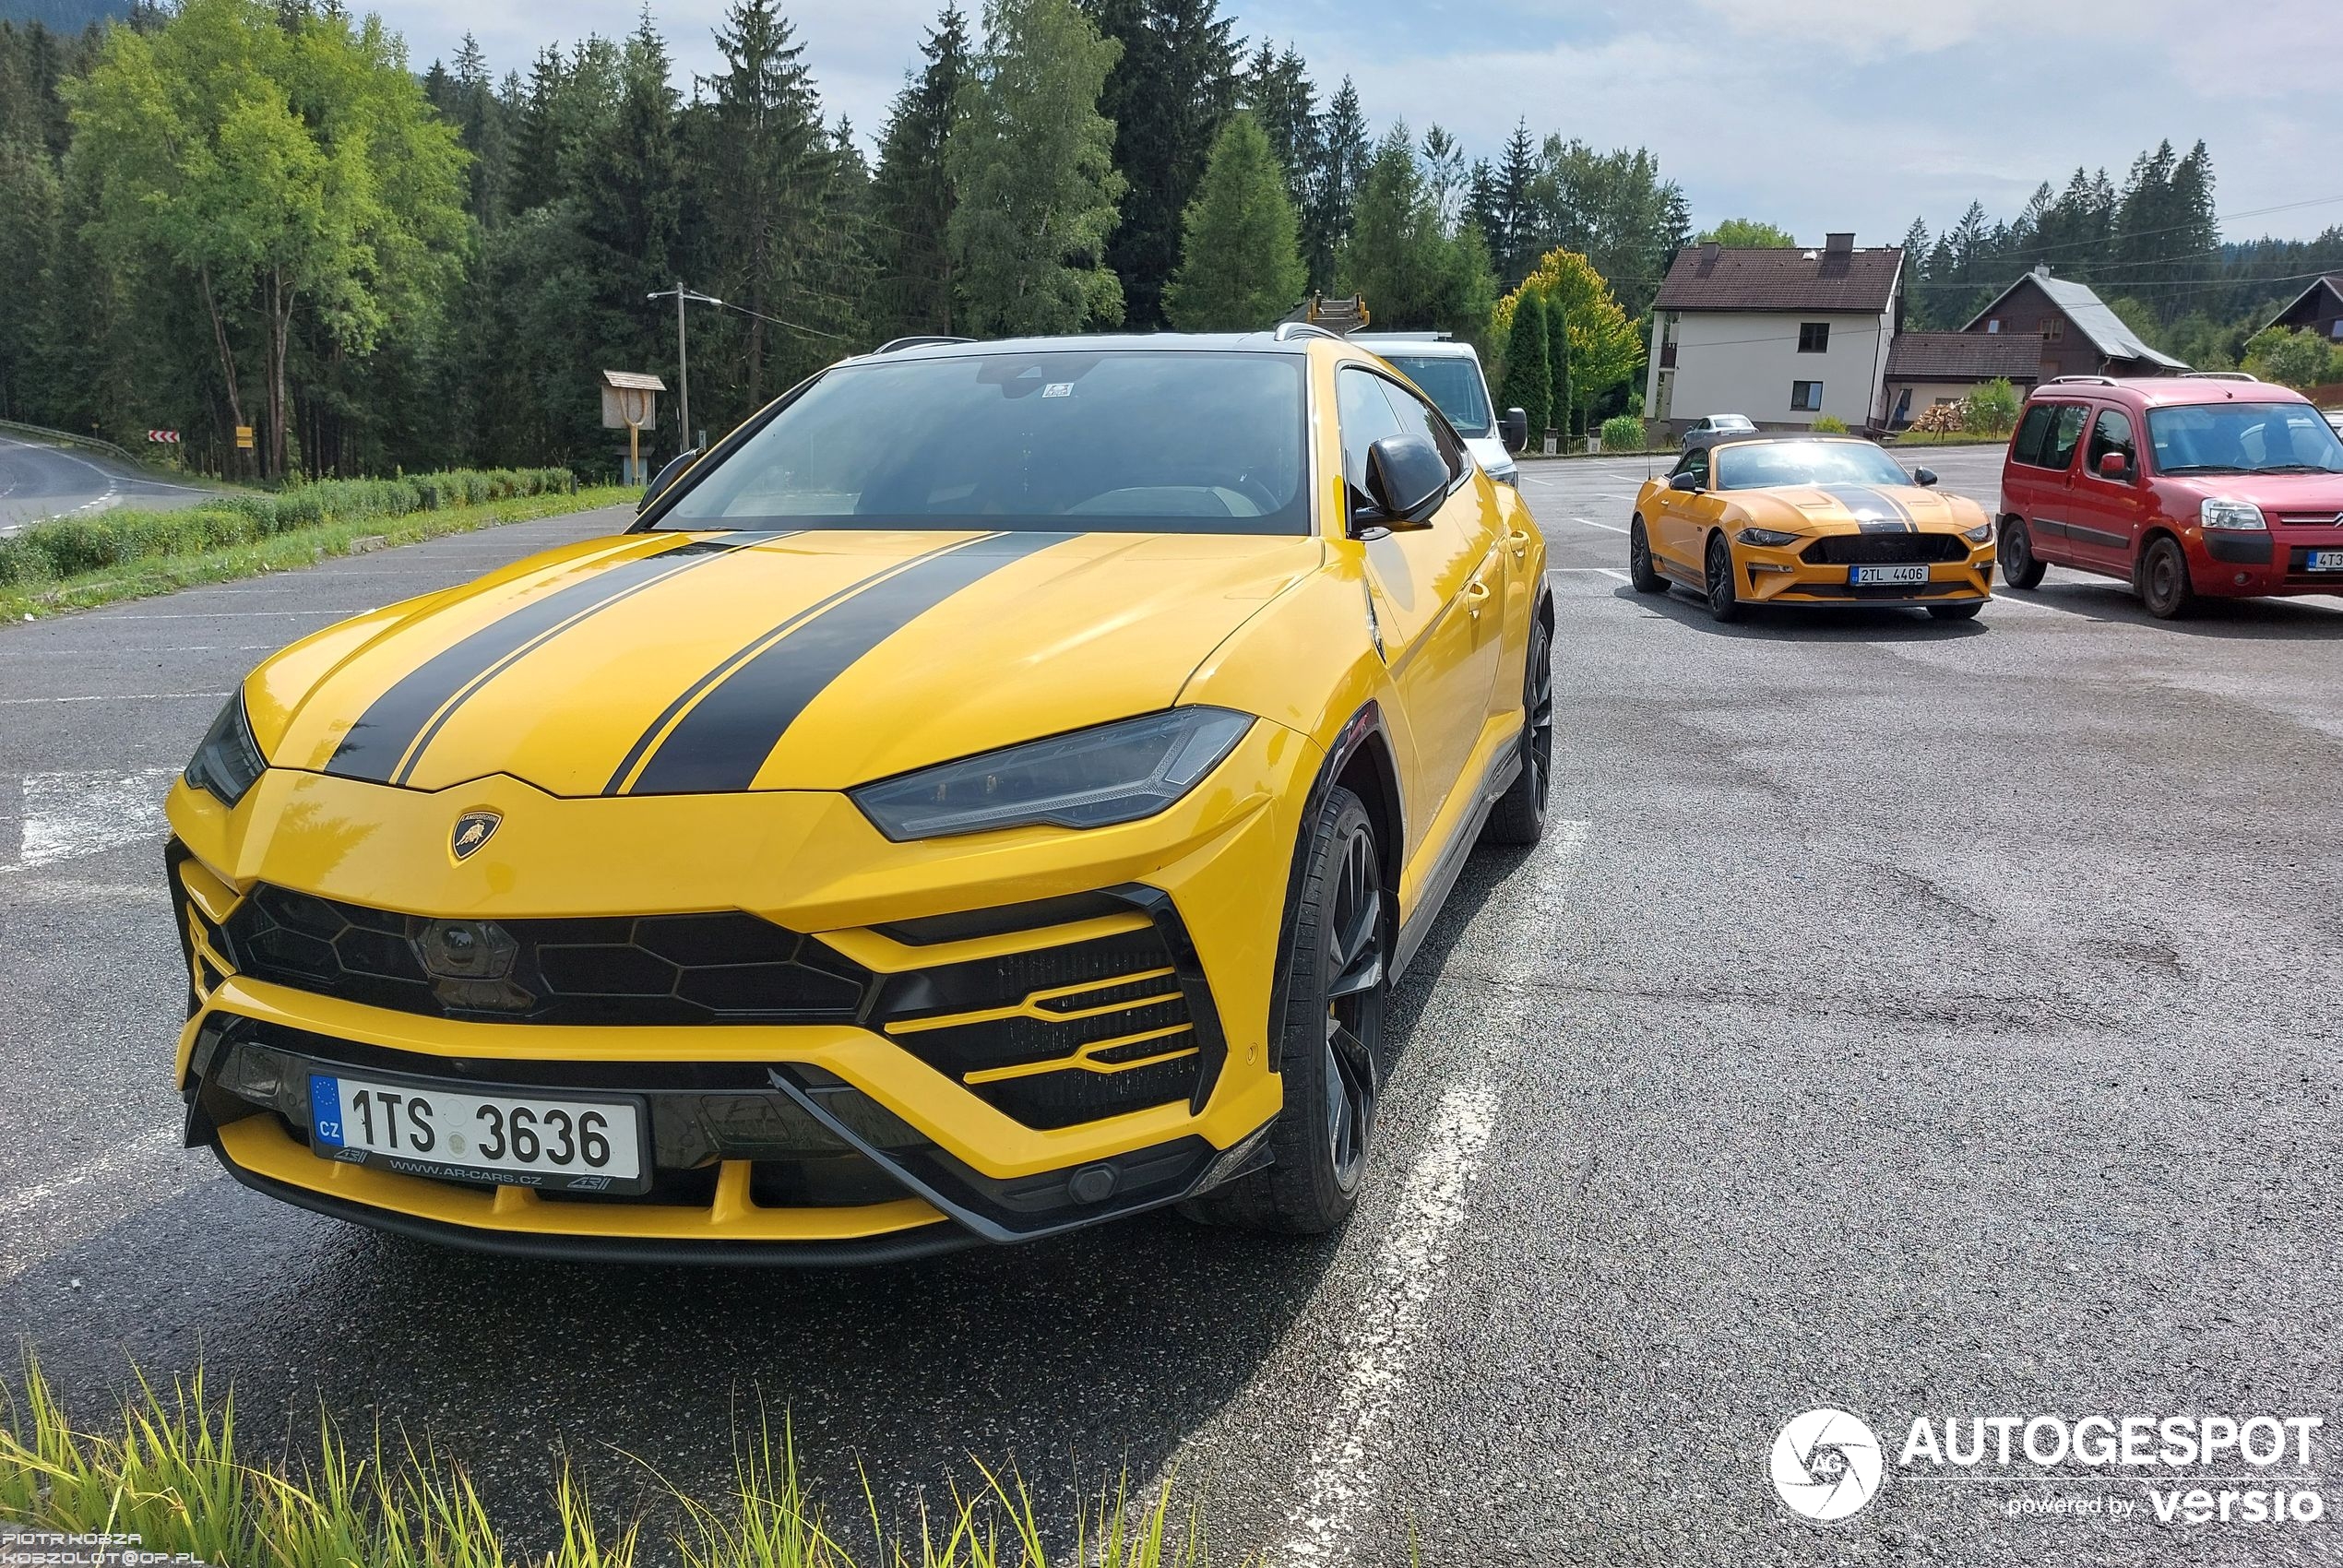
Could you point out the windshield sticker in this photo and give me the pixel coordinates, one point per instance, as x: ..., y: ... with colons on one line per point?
x: 1058, y: 389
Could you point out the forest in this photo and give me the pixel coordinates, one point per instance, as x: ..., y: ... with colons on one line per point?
x: 259, y: 213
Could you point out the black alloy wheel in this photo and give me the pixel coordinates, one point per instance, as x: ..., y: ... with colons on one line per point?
x: 1643, y: 575
x: 2164, y: 585
x: 1724, y: 599
x: 1519, y: 815
x: 1338, y: 980
x: 2021, y: 568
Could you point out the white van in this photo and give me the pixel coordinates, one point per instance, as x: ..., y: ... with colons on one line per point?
x: 1448, y: 373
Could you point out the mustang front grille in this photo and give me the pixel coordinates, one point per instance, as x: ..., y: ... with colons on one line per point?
x: 729, y: 967
x: 1883, y: 549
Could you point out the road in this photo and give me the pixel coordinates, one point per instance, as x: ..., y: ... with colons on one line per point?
x: 39, y: 481
x: 1915, y: 1018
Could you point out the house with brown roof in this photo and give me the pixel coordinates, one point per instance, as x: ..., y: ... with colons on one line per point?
x: 1926, y: 369
x: 1780, y: 334
x: 2071, y: 329
x: 2318, y: 308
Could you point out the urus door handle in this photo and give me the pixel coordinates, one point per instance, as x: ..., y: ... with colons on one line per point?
x: 1519, y: 540
x: 1476, y: 595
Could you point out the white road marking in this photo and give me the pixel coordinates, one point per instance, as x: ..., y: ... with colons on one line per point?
x: 1610, y: 528
x: 70, y: 814
x: 108, y: 696
x: 136, y: 1150
x: 1614, y: 572
x: 1411, y: 1264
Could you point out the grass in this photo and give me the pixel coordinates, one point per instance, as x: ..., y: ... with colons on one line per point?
x: 1947, y: 438
x: 182, y: 553
x: 170, y: 1468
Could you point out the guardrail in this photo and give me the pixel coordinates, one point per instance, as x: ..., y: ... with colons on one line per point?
x: 70, y: 439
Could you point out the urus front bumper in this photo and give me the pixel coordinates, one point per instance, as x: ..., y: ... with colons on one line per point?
x: 1012, y: 1041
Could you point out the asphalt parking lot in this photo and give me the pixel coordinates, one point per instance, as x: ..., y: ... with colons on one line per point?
x: 1914, y: 1019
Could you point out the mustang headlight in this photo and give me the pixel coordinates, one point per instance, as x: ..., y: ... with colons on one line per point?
x: 229, y: 760
x: 1772, y: 538
x: 1981, y: 534
x: 2230, y: 515
x: 1117, y: 772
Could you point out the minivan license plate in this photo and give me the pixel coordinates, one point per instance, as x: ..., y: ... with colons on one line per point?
x: 2326, y: 561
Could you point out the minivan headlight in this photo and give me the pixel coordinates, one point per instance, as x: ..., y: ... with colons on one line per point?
x: 1094, y: 778
x: 229, y: 761
x: 2221, y: 512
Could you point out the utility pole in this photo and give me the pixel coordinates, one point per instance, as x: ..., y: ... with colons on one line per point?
x: 682, y: 355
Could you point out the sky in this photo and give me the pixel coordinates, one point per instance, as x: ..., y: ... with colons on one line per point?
x: 1812, y: 114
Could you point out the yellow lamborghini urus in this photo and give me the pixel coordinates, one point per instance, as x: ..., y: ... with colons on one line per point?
x: 1809, y: 520
x: 991, y: 791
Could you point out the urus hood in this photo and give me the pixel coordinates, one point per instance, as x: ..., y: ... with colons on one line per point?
x: 1871, y: 508
x: 670, y: 663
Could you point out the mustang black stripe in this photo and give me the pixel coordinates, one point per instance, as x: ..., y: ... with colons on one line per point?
x: 1874, y: 511
x: 718, y: 744
x: 389, y: 736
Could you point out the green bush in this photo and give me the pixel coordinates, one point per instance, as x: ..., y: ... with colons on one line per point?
x: 1991, y: 410
x: 72, y: 546
x: 1623, y: 433
x: 1830, y: 424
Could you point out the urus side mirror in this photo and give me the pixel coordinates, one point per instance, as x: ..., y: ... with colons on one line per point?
x: 1406, y: 478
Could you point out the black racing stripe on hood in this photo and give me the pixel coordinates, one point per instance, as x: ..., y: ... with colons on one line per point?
x: 1874, y: 511
x: 719, y: 745
x: 388, y: 739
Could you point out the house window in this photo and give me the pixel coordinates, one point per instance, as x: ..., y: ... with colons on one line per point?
x: 1813, y: 337
x: 1992, y: 324
x: 2338, y: 333
x: 1806, y: 396
x: 2054, y: 328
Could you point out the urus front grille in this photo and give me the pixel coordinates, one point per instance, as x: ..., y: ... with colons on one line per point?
x: 1883, y: 548
x: 1064, y: 1033
x: 715, y: 969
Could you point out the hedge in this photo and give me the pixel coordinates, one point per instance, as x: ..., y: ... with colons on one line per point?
x: 71, y: 547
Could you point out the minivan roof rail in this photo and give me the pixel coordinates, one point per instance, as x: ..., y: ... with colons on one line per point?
x: 921, y: 340
x: 2094, y: 380
x: 2218, y: 375
x: 1289, y: 330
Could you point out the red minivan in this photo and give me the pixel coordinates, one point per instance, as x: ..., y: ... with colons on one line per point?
x: 2187, y: 486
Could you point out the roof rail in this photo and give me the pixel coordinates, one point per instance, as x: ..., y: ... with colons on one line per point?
x: 2094, y: 380
x: 1289, y: 330
x: 919, y: 341
x: 2218, y: 375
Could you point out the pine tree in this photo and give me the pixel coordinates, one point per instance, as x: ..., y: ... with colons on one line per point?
x: 1240, y: 263
x: 1480, y: 202
x: 1528, y: 383
x: 1276, y: 89
x: 1342, y: 165
x: 911, y: 197
x: 1175, y: 80
x: 479, y: 120
x: 1511, y: 240
x: 1031, y: 161
x: 1412, y: 274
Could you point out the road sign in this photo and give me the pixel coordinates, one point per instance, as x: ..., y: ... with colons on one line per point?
x: 169, y: 437
x: 243, y: 438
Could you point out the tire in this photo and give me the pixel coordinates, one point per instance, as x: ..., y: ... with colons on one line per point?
x: 1519, y: 815
x: 2021, y: 568
x: 1641, y: 573
x: 2164, y: 585
x: 1724, y: 599
x: 1338, y: 980
x: 1955, y: 611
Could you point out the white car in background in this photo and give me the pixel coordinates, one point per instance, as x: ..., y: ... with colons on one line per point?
x: 1709, y: 429
x: 1448, y: 373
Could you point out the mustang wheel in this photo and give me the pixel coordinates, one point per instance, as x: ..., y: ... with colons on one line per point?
x: 1520, y: 816
x: 1338, y: 977
x: 2164, y: 586
x: 2021, y: 568
x: 1724, y: 602
x: 1641, y: 573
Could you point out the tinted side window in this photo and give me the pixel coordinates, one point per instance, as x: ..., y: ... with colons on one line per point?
x: 2028, y: 448
x: 1416, y: 418
x: 2064, y: 434
x: 2111, y: 432
x: 1366, y: 418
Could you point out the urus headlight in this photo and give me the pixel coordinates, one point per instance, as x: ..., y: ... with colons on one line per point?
x: 1772, y: 538
x: 229, y: 760
x: 1117, y: 772
x: 2219, y: 513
